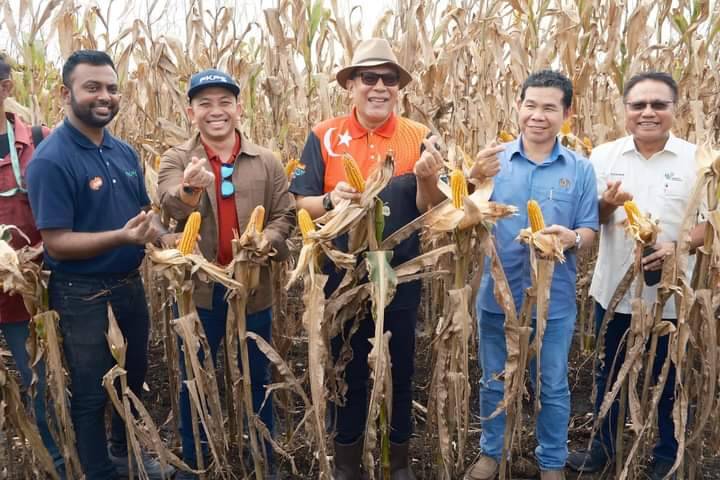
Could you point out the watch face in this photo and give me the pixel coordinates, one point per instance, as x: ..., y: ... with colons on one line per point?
x: 327, y: 202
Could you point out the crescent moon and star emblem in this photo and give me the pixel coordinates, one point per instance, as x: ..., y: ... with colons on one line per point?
x: 345, y: 138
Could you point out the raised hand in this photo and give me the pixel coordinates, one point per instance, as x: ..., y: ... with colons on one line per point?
x: 196, y: 175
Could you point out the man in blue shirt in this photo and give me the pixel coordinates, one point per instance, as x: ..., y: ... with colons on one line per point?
x: 535, y: 167
x: 88, y: 197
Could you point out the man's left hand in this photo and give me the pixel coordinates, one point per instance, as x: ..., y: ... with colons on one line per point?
x: 564, y: 234
x: 430, y: 162
x: 655, y: 260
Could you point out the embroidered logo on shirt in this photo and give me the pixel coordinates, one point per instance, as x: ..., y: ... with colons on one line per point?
x: 131, y: 173
x: 386, y: 210
x: 672, y: 177
x: 299, y: 170
x: 564, y: 183
x: 95, y: 183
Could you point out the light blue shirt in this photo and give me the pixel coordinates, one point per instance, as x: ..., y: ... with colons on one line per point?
x: 564, y: 185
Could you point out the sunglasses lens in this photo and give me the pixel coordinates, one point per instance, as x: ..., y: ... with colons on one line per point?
x: 227, y: 188
x: 226, y: 171
x: 371, y: 78
x: 390, y: 80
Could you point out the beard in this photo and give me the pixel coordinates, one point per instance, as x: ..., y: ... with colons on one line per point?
x: 85, y: 112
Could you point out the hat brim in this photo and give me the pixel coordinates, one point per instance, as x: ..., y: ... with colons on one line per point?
x: 227, y: 86
x: 343, y: 75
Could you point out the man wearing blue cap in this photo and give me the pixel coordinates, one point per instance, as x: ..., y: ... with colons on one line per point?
x: 221, y: 174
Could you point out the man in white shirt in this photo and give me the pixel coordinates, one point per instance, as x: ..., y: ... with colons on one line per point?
x: 657, y: 171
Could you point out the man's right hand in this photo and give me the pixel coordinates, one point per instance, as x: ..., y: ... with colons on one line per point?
x: 343, y: 191
x: 140, y: 230
x: 614, y: 195
x: 487, y: 162
x: 196, y: 175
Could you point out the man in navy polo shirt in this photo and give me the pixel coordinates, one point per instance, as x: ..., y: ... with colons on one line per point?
x: 88, y: 197
x: 535, y: 167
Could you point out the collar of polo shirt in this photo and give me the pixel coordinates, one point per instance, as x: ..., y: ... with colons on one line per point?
x: 385, y: 130
x: 672, y: 145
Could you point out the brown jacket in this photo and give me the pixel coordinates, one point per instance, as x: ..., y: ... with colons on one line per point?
x: 259, y: 179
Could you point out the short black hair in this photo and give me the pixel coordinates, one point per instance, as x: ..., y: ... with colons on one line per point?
x: 662, y: 77
x: 552, y: 79
x: 4, y: 67
x: 92, y: 57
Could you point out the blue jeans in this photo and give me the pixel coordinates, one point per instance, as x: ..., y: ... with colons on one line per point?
x: 351, y: 418
x: 81, y: 301
x: 16, y: 335
x: 214, y: 322
x: 605, y: 375
x: 552, y: 422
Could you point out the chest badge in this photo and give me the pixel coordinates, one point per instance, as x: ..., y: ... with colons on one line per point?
x: 95, y: 183
x: 564, y: 183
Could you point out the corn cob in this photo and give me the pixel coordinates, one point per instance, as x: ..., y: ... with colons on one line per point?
x: 535, y: 216
x: 305, y: 222
x: 458, y: 186
x: 290, y: 167
x: 256, y: 220
x: 190, y: 233
x: 505, y: 136
x: 633, y: 212
x: 588, y: 143
x: 566, y: 128
x: 352, y: 173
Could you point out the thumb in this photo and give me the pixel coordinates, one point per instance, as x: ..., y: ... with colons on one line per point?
x: 136, y: 220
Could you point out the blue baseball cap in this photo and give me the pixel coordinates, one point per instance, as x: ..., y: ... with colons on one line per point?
x: 211, y: 78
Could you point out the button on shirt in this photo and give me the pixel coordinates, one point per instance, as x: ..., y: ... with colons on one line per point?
x: 76, y: 185
x: 660, y: 185
x: 565, y: 187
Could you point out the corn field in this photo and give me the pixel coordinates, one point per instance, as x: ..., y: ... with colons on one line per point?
x: 468, y: 59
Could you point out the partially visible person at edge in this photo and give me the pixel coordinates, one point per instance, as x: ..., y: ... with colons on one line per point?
x: 535, y: 167
x: 89, y: 201
x: 16, y: 148
x: 224, y: 176
x: 368, y: 132
x: 657, y: 170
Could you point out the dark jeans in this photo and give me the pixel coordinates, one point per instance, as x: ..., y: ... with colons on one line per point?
x: 16, y: 335
x: 81, y: 301
x: 351, y: 418
x: 214, y: 322
x: 666, y: 447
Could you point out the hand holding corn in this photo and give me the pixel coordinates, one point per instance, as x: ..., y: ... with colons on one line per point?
x: 487, y: 162
x: 614, y: 195
x: 196, y: 175
x: 430, y: 161
x: 654, y: 261
x: 564, y: 234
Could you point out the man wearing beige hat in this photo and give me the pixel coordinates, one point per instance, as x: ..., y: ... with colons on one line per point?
x: 368, y: 132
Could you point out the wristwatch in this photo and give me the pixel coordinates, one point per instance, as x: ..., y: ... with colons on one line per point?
x: 327, y: 202
x: 578, y: 241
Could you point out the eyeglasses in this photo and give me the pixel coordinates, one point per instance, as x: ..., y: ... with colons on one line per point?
x: 371, y: 78
x: 657, y: 105
x: 227, y: 188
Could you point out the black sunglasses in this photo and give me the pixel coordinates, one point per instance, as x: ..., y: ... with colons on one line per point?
x: 371, y: 78
x: 657, y: 105
x: 226, y: 187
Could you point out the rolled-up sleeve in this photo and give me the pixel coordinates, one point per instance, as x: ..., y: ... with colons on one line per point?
x: 281, y: 220
x: 587, y: 211
x: 308, y: 178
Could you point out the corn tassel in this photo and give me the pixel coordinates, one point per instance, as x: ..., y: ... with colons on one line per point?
x: 352, y: 173
x: 306, y: 224
x: 458, y: 186
x: 190, y: 233
x: 535, y: 216
x: 256, y: 220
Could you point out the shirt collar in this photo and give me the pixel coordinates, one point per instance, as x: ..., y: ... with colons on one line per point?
x: 385, y: 130
x: 21, y: 132
x: 213, y: 156
x: 517, y: 147
x: 78, y: 137
x: 672, y: 145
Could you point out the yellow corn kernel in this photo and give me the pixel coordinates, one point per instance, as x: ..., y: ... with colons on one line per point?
x: 458, y: 187
x: 633, y: 212
x: 588, y: 143
x: 505, y: 136
x: 566, y: 128
x: 535, y: 216
x: 305, y: 222
x: 352, y: 173
x: 190, y: 233
x: 257, y: 217
x: 290, y: 167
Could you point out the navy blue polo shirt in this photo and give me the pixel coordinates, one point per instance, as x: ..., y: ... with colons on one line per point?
x: 77, y: 185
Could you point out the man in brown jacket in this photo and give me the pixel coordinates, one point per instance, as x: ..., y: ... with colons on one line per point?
x: 222, y: 175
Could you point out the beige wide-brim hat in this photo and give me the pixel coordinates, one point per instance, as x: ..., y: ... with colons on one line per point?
x: 373, y: 53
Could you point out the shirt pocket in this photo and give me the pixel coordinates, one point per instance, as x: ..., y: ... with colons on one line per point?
x: 558, y: 207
